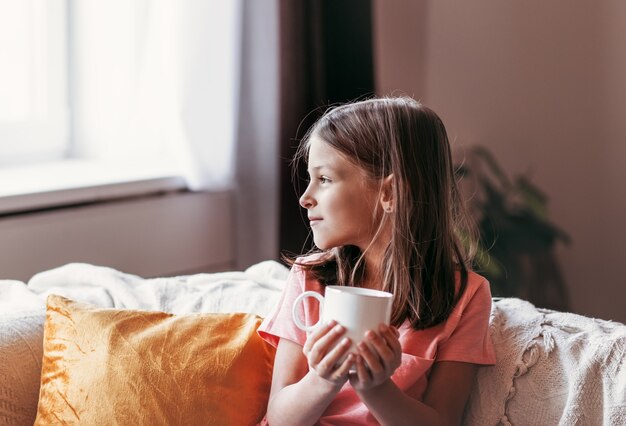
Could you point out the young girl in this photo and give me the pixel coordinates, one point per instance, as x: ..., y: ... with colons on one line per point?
x: 383, y: 208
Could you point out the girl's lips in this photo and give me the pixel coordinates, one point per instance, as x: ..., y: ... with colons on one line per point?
x: 314, y: 220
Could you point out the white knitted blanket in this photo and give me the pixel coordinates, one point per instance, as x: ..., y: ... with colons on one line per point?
x: 22, y: 313
x: 552, y: 368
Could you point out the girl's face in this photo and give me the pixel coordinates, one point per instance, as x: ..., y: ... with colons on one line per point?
x: 342, y: 202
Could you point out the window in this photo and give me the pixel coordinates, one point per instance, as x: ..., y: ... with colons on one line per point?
x: 69, y: 79
x: 95, y: 93
x: 34, y: 118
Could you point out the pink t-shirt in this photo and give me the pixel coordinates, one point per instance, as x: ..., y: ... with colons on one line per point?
x: 464, y: 337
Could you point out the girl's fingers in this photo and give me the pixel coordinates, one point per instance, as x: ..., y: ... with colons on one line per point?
x: 380, y: 345
x: 391, y: 334
x: 316, y: 334
x: 344, y: 368
x: 390, y: 329
x: 370, y: 358
x: 320, y: 341
x: 328, y: 364
x: 379, y: 356
x: 361, y: 370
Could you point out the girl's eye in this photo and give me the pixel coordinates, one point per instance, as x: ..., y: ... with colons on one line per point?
x: 323, y: 179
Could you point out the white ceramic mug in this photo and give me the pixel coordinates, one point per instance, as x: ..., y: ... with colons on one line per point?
x: 356, y: 309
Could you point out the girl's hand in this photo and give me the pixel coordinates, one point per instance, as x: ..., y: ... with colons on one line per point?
x: 374, y: 367
x: 323, y: 356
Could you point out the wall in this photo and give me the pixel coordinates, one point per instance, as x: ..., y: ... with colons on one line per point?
x: 154, y: 235
x: 543, y: 86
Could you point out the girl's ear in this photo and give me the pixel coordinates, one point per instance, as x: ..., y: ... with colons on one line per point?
x: 386, y: 195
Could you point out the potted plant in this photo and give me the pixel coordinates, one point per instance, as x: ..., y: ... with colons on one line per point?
x: 517, y: 240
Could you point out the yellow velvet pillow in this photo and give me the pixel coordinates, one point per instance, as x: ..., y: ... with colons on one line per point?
x: 107, y: 366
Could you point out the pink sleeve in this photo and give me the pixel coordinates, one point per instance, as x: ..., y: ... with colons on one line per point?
x: 470, y: 340
x: 279, y: 323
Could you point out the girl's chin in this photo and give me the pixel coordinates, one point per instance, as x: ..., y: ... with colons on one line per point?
x: 325, y: 245
x: 328, y: 243
x: 322, y: 245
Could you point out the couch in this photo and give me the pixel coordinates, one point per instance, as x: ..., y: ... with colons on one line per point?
x: 553, y: 368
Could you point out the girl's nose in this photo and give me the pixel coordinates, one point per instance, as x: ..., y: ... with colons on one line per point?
x: 306, y: 201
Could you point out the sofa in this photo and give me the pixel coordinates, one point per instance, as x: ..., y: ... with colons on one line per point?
x: 553, y: 368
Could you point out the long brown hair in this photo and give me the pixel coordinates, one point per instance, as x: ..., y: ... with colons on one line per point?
x: 400, y: 136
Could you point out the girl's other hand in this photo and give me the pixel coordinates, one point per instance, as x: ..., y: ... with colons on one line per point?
x: 376, y: 364
x: 323, y: 353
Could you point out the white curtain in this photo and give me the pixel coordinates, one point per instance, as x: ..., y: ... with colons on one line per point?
x: 185, y: 87
x: 258, y: 147
x: 155, y: 84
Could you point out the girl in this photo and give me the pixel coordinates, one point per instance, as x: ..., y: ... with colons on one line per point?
x: 384, y: 211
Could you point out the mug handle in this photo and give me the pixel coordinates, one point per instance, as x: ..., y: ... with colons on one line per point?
x: 294, y: 311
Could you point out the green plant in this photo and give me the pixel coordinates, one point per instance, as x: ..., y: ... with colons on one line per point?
x: 517, y: 240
